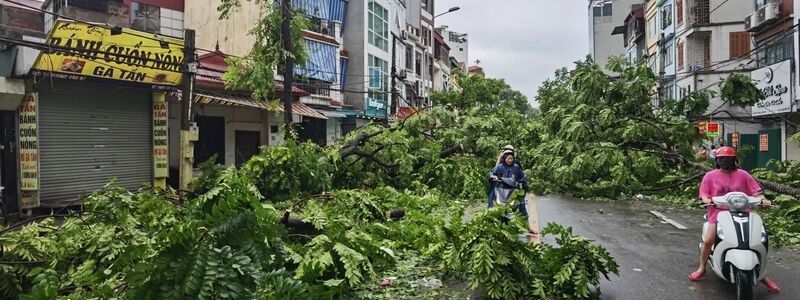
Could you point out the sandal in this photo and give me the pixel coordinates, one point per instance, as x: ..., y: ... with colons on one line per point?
x: 772, y: 286
x: 696, y: 276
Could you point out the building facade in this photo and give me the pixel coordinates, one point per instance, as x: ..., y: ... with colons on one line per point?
x: 604, y: 16
x: 98, y: 114
x: 459, y: 46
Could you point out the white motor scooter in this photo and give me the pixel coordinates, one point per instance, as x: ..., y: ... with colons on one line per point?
x: 739, y: 255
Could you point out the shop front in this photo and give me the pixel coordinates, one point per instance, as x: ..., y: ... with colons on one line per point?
x: 94, y: 117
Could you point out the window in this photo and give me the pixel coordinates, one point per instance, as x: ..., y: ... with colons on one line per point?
x: 680, y: 56
x: 409, y: 58
x: 454, y: 37
x: 739, y: 44
x: 145, y: 18
x: 378, y: 26
x: 604, y: 10
x: 418, y: 64
x: 669, y: 54
x: 171, y: 22
x: 679, y: 11
x: 776, y: 52
x: 666, y: 16
x: 378, y: 71
x: 651, y: 27
x: 426, y: 36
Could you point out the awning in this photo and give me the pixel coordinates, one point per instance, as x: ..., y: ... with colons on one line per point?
x: 619, y: 30
x: 298, y: 108
x: 332, y: 114
x: 321, y: 63
x: 337, y: 10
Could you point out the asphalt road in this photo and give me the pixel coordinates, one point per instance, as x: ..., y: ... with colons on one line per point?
x: 656, y: 258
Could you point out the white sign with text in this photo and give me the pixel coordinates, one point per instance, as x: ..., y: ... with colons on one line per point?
x: 775, y: 82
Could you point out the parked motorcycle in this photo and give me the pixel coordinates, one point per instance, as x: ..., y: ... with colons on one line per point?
x: 739, y: 255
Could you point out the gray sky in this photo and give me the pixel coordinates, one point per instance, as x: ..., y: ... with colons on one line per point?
x: 522, y: 41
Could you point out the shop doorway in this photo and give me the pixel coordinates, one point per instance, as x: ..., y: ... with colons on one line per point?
x: 314, y: 130
x: 247, y: 143
x: 212, y: 140
x: 8, y: 163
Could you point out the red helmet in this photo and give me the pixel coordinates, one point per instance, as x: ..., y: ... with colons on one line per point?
x: 726, y: 152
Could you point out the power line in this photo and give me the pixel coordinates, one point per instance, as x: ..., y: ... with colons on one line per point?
x: 770, y: 42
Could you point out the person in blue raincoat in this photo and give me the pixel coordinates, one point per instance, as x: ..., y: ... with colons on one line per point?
x: 507, y: 177
x: 491, y: 190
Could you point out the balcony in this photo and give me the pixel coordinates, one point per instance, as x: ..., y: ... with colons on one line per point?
x: 699, y: 12
x: 315, y: 87
x: 321, y: 26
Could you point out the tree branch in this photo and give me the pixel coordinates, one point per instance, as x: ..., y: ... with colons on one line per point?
x: 683, y: 182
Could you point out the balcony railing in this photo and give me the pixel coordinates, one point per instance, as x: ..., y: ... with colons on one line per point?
x: 700, y: 12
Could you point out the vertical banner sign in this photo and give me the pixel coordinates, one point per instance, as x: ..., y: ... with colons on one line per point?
x: 764, y: 143
x: 29, y: 151
x: 160, y: 137
x: 735, y: 139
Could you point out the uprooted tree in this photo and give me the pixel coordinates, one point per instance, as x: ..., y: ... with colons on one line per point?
x: 604, y: 138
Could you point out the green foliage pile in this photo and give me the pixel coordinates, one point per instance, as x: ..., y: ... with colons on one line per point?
x: 228, y: 243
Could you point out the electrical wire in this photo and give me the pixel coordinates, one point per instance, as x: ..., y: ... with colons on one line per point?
x: 154, y: 37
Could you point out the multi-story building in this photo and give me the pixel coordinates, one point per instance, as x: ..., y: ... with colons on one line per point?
x: 102, y: 114
x: 18, y: 23
x: 604, y: 16
x: 419, y: 53
x: 652, y: 41
x: 771, y: 26
x: 711, y: 43
x: 368, y: 42
x: 633, y: 32
x: 667, y: 56
x: 318, y: 90
x: 441, y: 63
x: 459, y: 46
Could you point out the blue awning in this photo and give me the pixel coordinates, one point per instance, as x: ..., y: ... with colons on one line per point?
x: 343, y: 75
x: 337, y: 10
x: 314, y: 8
x: 350, y: 112
x: 321, y: 63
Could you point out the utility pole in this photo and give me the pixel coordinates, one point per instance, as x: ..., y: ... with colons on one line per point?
x: 393, y: 110
x: 187, y: 138
x: 288, y: 67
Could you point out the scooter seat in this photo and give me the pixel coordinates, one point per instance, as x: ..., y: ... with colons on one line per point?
x: 705, y: 217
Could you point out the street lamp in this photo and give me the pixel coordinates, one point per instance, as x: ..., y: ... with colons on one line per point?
x: 452, y: 9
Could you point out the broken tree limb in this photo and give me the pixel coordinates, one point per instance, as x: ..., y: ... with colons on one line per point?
x: 443, y: 154
x: 683, y: 182
x: 451, y: 151
x: 779, y: 188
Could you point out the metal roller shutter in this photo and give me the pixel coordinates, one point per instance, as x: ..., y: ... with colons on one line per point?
x: 90, y: 134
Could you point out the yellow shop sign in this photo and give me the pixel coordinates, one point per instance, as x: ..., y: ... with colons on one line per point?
x: 82, y: 51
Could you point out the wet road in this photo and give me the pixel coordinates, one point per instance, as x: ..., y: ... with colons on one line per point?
x: 655, y: 258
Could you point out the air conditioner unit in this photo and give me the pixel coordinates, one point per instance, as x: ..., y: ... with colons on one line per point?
x: 749, y: 22
x: 771, y: 12
x: 404, y: 34
x: 402, y: 74
x: 767, y: 13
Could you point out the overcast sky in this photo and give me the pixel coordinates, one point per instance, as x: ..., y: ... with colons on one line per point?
x: 523, y: 41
